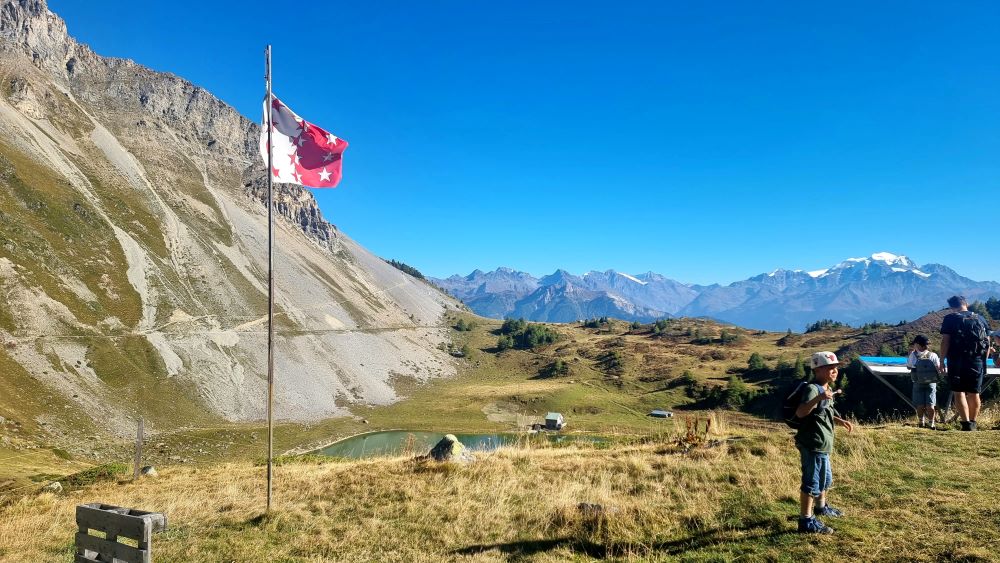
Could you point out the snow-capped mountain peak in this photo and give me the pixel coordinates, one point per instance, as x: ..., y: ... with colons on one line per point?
x: 896, y: 263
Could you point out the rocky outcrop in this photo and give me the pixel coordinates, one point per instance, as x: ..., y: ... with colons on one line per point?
x: 449, y: 449
x: 134, y: 98
x: 133, y: 253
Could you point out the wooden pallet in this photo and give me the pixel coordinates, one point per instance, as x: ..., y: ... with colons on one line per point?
x: 115, y: 523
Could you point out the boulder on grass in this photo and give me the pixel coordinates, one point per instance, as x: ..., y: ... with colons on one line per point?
x: 450, y: 449
x: 148, y: 471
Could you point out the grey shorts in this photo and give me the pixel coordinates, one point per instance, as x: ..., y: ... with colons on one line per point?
x: 924, y: 394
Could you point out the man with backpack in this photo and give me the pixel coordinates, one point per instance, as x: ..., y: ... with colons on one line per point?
x: 965, y: 344
x: 815, y: 418
x: 924, y: 369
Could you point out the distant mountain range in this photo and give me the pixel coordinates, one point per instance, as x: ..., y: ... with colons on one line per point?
x: 882, y: 287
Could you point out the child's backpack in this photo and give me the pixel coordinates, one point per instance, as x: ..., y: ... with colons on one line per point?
x: 973, y: 335
x: 924, y: 371
x: 793, y: 398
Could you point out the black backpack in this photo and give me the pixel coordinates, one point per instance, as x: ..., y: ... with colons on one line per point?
x: 924, y: 371
x: 793, y: 398
x: 972, y: 338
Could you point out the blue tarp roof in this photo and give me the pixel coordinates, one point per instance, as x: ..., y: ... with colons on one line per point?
x: 898, y: 360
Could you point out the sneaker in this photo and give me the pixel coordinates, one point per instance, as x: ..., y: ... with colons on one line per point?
x: 972, y: 425
x: 829, y: 511
x: 813, y: 526
x: 966, y: 426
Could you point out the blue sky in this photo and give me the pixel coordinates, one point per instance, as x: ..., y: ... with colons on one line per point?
x: 705, y: 141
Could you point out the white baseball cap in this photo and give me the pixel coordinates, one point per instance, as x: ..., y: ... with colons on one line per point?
x: 823, y: 359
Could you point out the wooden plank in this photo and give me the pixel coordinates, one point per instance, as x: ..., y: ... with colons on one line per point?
x: 116, y: 521
x: 109, y: 550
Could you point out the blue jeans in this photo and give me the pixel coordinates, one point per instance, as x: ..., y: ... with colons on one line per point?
x: 817, y: 476
x: 924, y: 394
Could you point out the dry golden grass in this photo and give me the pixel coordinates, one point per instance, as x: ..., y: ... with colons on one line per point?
x: 909, y: 494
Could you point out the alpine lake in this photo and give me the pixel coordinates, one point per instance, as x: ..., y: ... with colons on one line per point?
x: 401, y: 442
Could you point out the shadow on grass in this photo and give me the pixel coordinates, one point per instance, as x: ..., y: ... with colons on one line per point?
x: 531, y: 547
x: 708, y: 538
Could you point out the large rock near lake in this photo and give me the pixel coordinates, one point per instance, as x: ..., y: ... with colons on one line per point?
x: 450, y: 449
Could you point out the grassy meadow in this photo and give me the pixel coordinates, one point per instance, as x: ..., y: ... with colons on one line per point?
x: 909, y: 495
x: 666, y: 492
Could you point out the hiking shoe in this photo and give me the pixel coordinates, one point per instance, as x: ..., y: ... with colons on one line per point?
x: 813, y: 526
x: 829, y: 511
x: 966, y: 426
x: 972, y: 425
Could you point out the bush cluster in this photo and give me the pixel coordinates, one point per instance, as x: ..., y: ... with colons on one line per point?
x: 406, y: 268
x: 523, y: 335
x: 824, y: 324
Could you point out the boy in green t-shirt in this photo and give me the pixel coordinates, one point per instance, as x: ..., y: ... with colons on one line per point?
x: 814, y: 440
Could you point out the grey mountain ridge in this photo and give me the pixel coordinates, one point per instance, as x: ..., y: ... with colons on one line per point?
x: 883, y: 287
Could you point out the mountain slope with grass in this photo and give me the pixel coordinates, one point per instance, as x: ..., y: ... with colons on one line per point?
x: 133, y: 259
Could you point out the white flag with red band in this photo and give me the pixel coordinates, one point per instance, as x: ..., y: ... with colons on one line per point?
x: 303, y: 153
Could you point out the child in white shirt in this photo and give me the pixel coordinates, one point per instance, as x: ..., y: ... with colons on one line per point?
x: 925, y: 366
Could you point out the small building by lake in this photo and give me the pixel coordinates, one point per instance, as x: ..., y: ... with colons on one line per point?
x: 554, y: 421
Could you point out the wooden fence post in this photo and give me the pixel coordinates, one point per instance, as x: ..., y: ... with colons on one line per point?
x: 138, y: 450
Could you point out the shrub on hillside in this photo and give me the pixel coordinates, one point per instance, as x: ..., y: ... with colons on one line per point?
x: 523, y: 335
x: 993, y: 308
x: 557, y: 368
x: 824, y: 324
x: 406, y: 268
x: 756, y: 363
x: 596, y: 322
x: 612, y: 362
x: 660, y: 327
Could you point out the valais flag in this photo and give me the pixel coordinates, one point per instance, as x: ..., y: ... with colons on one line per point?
x: 303, y: 153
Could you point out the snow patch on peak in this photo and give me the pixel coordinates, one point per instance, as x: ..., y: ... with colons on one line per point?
x: 886, y: 257
x: 636, y: 280
x: 893, y: 259
x: 818, y: 273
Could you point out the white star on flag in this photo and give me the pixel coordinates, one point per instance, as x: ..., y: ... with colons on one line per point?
x: 302, y: 152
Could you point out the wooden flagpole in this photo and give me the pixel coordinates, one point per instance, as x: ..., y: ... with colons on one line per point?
x: 270, y: 291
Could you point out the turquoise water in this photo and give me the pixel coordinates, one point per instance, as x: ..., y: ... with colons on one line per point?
x: 398, y: 442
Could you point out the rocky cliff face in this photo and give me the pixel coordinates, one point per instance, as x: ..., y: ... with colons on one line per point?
x: 133, y: 254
